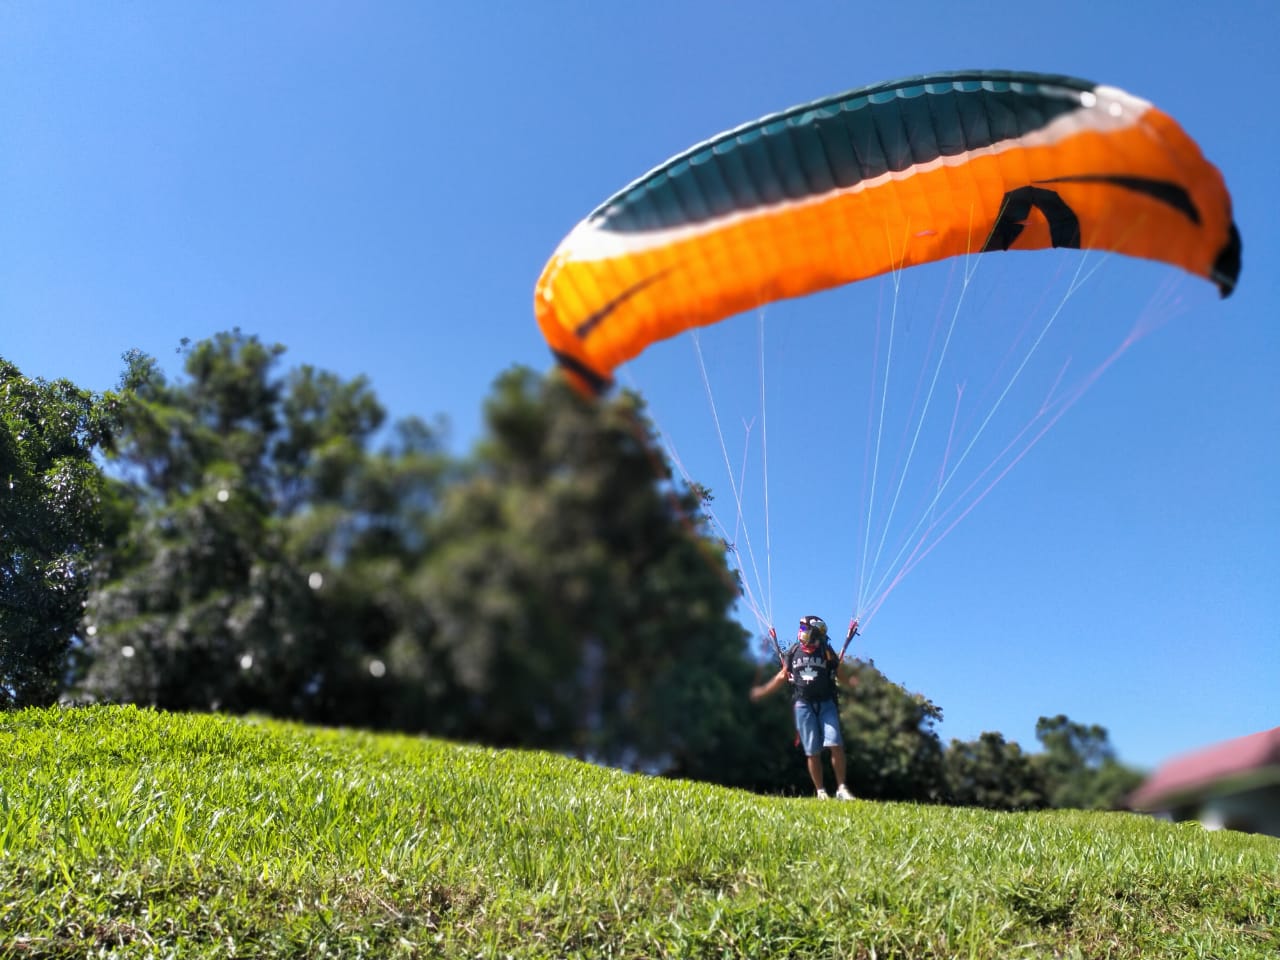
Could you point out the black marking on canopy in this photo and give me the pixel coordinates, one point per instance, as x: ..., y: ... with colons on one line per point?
x: 1226, y: 267
x: 597, y: 383
x: 600, y: 314
x: 1064, y: 225
x: 1165, y: 191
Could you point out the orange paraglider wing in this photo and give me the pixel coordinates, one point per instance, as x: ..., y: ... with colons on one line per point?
x: 875, y: 180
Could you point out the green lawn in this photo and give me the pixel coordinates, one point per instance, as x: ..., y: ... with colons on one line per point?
x: 131, y: 833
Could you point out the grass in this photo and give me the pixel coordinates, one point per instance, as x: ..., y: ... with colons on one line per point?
x: 133, y: 833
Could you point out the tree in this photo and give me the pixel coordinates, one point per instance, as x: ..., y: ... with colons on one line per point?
x: 361, y: 536
x: 50, y: 524
x: 993, y: 773
x: 573, y: 599
x: 548, y: 592
x: 894, y: 752
x: 1079, y: 767
x: 257, y: 518
x: 196, y: 605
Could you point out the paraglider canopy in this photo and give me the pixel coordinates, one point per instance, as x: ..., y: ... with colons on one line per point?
x: 877, y: 180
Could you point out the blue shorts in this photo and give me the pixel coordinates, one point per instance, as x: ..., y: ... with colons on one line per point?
x: 818, y: 725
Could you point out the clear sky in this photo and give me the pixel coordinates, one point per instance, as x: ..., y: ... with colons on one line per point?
x: 377, y: 186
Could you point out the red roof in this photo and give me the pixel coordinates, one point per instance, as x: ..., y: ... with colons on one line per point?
x: 1188, y: 774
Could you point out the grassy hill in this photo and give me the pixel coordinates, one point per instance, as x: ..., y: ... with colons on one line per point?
x: 132, y: 833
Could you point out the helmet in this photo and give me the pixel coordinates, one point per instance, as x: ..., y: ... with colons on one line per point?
x: 813, y: 629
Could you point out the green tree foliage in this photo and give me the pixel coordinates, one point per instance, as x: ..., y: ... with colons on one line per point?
x: 752, y: 745
x: 555, y: 590
x: 572, y: 599
x: 238, y: 583
x: 1079, y: 767
x: 993, y: 773
x: 357, y: 521
x: 50, y: 524
x: 894, y: 752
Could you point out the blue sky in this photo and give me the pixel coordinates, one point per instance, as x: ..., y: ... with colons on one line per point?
x: 377, y: 187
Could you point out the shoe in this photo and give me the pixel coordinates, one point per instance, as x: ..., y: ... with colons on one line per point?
x: 843, y: 793
x: 823, y: 795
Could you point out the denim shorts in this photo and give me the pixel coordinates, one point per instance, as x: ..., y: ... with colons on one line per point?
x: 818, y: 725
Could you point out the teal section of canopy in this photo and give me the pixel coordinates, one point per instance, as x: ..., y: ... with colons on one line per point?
x: 838, y: 142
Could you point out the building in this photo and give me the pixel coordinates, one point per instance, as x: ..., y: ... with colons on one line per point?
x: 1233, y: 785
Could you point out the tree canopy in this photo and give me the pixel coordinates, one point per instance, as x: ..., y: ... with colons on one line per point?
x: 1079, y: 766
x: 993, y: 773
x: 548, y: 591
x: 894, y: 752
x: 51, y: 519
